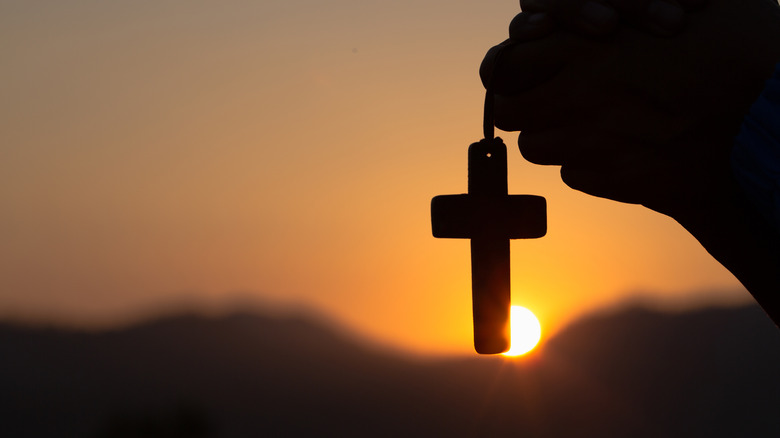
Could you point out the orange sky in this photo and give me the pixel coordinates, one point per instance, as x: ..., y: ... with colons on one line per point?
x: 153, y: 153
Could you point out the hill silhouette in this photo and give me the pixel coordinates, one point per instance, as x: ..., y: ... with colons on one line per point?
x: 631, y: 373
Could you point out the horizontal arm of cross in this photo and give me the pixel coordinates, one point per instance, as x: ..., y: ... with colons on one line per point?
x: 470, y: 216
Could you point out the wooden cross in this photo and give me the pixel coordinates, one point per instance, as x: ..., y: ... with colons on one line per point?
x: 489, y: 216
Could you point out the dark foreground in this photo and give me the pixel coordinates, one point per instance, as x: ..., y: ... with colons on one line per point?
x: 713, y: 373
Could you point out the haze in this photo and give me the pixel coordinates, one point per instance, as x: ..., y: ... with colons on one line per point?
x: 155, y: 154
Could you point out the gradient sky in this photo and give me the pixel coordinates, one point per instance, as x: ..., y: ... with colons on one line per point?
x: 154, y: 153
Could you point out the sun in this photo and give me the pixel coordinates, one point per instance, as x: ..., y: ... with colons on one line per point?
x: 525, y: 331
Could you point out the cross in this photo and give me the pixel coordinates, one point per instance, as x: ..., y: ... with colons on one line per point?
x: 489, y: 216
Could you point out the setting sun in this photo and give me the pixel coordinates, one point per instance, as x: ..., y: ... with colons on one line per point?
x: 525, y: 331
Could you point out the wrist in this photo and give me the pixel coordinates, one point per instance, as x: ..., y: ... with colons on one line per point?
x: 733, y: 232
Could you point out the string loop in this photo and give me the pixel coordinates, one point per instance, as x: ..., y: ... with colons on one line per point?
x: 488, y: 121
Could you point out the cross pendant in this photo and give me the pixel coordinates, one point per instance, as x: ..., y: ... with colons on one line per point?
x: 490, y: 217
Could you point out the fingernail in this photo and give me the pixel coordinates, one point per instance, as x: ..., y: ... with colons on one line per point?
x: 665, y: 14
x: 597, y: 14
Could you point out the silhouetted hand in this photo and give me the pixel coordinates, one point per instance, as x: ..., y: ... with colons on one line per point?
x: 648, y: 120
x: 601, y: 17
x: 639, y: 119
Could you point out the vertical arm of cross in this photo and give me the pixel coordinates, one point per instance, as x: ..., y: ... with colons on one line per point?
x: 489, y: 216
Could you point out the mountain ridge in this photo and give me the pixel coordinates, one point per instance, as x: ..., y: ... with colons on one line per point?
x: 634, y: 372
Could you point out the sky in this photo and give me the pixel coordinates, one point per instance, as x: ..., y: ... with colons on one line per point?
x: 157, y: 154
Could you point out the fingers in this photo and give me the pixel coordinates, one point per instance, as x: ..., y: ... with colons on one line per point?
x: 600, y: 183
x: 596, y: 162
x: 642, y: 177
x: 588, y: 17
x: 511, y: 67
x: 601, y: 17
x: 661, y: 17
x: 534, y: 5
x: 543, y: 108
x: 690, y: 5
x: 530, y: 26
x: 552, y: 147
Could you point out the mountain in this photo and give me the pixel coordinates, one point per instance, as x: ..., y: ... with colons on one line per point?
x: 631, y: 373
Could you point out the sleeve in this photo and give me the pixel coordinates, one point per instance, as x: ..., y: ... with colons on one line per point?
x: 755, y: 158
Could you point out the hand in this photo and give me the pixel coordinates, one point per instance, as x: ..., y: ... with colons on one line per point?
x: 649, y: 120
x: 601, y: 17
x: 639, y: 119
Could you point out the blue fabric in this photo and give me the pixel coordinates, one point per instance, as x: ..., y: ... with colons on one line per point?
x: 755, y: 158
